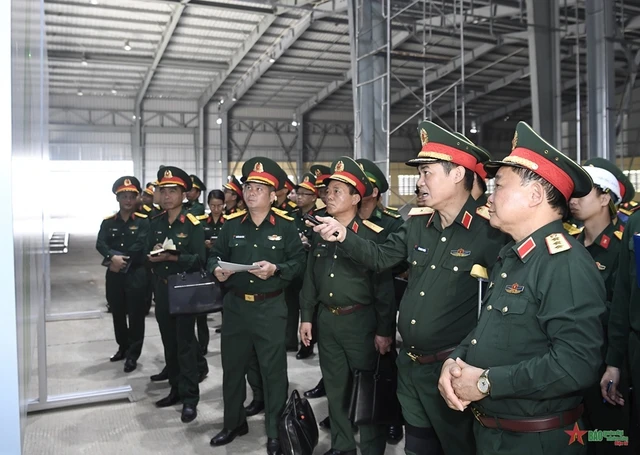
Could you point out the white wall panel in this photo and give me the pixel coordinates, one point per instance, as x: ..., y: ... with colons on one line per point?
x: 169, y: 150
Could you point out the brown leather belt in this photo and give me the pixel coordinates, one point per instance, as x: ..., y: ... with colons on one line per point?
x: 343, y: 310
x: 257, y: 297
x: 531, y: 425
x: 430, y: 358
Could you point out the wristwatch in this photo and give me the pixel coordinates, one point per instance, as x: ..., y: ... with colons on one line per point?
x: 278, y: 270
x: 484, y: 386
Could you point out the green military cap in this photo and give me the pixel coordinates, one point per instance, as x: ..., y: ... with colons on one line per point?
x: 375, y: 174
x: 481, y: 153
x: 308, y: 182
x: 625, y: 191
x: 174, y: 176
x: 263, y: 170
x: 197, y: 183
x: 150, y: 188
x: 346, y: 170
x: 321, y: 172
x: 126, y: 183
x: 439, y: 144
x: 234, y: 185
x: 530, y: 151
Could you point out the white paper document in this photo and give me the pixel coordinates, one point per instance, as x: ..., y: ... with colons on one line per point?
x: 232, y: 267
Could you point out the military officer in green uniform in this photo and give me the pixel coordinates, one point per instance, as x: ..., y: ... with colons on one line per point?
x: 232, y: 196
x: 193, y: 204
x: 537, y: 344
x: 147, y: 198
x: 283, y: 202
x: 355, y: 308
x: 181, y: 352
x: 597, y: 211
x: 122, y: 241
x: 479, y: 191
x: 441, y: 242
x: 255, y: 312
x: 321, y: 172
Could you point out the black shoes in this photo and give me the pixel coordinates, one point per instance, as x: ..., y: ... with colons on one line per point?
x: 169, y: 400
x: 304, y: 352
x: 273, y: 447
x: 340, y: 452
x: 317, y: 392
x: 120, y: 355
x: 130, y: 365
x: 189, y: 413
x: 254, y: 408
x: 226, y: 436
x: 162, y: 376
x: 395, y: 434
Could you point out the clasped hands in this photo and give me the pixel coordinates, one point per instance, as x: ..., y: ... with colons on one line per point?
x: 458, y: 384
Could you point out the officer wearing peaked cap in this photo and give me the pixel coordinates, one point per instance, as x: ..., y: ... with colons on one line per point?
x: 185, y: 363
x: 232, y: 195
x: 355, y: 308
x: 321, y: 172
x: 439, y: 307
x: 254, y: 307
x: 122, y: 241
x: 193, y: 204
x: 147, y: 198
x: 537, y: 343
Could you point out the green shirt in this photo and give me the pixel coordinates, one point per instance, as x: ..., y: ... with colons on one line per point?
x: 194, y: 207
x: 188, y: 237
x: 334, y: 279
x: 212, y: 227
x: 605, y: 251
x: 128, y: 237
x: 540, y: 330
x: 439, y: 307
x: 390, y: 221
x: 275, y: 240
x: 625, y: 312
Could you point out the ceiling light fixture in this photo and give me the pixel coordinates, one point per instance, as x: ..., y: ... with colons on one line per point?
x: 84, y: 61
x: 233, y: 98
x: 127, y: 46
x: 94, y: 2
x: 271, y: 58
x: 219, y: 121
x: 80, y: 93
x: 221, y: 100
x: 114, y: 91
x: 474, y: 127
x: 294, y: 122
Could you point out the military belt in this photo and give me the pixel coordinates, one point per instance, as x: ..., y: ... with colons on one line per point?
x: 530, y: 425
x: 430, y: 358
x: 343, y: 310
x: 257, y: 297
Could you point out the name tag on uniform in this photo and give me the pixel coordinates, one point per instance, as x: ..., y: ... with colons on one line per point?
x: 238, y: 236
x: 114, y: 229
x: 158, y: 232
x: 421, y: 249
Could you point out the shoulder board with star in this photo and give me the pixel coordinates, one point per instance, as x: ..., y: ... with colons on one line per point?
x: 483, y: 212
x: 618, y: 235
x: 113, y: 215
x: 420, y: 211
x: 146, y: 208
x: 373, y: 226
x: 282, y: 214
x: 571, y: 229
x: 557, y: 243
x: 193, y: 219
x: 395, y: 215
x: 141, y: 215
x: 292, y: 204
x: 202, y: 217
x: 233, y: 215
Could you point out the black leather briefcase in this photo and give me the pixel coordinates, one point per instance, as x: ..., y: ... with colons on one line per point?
x: 194, y: 293
x: 297, y: 428
x: 373, y: 398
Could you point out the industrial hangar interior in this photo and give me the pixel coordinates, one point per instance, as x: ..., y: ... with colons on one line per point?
x: 106, y: 88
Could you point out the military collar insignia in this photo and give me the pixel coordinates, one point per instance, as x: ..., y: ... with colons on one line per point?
x: 466, y: 220
x: 557, y: 243
x: 601, y: 267
x: 605, y: 240
x: 182, y: 218
x: 275, y: 238
x: 618, y: 234
x: 182, y: 235
x: 272, y: 219
x: 354, y: 227
x: 525, y: 248
x: 514, y: 288
x: 460, y: 253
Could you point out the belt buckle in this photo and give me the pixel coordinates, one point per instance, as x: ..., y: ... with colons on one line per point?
x: 249, y: 298
x: 477, y: 414
x: 412, y: 356
x: 334, y: 310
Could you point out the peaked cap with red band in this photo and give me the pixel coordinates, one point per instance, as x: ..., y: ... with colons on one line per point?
x: 375, y: 174
x: 481, y: 153
x: 260, y: 169
x: 150, y: 188
x: 126, y: 183
x: 439, y: 144
x: 174, y: 176
x: 234, y: 185
x: 532, y: 152
x: 346, y: 170
x: 308, y: 182
x: 321, y: 172
x: 627, y: 190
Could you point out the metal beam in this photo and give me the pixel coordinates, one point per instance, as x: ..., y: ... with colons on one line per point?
x: 68, y: 127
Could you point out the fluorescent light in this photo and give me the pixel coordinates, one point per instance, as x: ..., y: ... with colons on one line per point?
x: 80, y: 93
x: 114, y: 91
x: 219, y: 121
x: 94, y: 2
x: 294, y: 123
x: 271, y: 59
x: 84, y: 62
x: 127, y: 46
x: 233, y: 98
x: 221, y: 100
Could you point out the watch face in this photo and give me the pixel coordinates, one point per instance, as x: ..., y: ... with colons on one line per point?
x: 483, y: 385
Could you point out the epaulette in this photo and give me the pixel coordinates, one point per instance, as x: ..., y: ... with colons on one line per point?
x: 141, y: 215
x: 193, y: 219
x: 319, y: 204
x: 110, y: 216
x: 373, y: 226
x: 282, y: 214
x: 618, y: 234
x: 392, y: 209
x: 557, y: 243
x: 571, y: 229
x: 202, y: 217
x: 391, y: 214
x: 483, y: 212
x: 292, y: 204
x: 234, y: 215
x: 146, y: 208
x: 420, y: 211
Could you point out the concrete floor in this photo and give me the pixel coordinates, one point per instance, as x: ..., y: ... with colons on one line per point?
x: 78, y: 360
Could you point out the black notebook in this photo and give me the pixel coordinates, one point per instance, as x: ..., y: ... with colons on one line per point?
x: 107, y: 262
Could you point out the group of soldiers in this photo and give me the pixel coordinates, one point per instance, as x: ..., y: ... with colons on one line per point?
x: 527, y: 362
